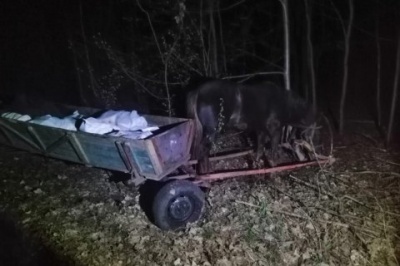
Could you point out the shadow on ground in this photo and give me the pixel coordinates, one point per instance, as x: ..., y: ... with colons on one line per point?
x: 19, y: 248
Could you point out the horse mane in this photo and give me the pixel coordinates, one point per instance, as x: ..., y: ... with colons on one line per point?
x: 191, y: 108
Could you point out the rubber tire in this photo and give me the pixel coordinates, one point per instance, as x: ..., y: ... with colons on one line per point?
x: 166, y: 197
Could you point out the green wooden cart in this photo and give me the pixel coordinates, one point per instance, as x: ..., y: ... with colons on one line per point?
x: 152, y: 158
x: 163, y: 157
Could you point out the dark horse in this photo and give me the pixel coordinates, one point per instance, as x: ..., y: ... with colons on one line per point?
x: 262, y: 108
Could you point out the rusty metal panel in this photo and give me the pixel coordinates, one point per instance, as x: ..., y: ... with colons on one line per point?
x: 165, y: 151
x: 172, y: 146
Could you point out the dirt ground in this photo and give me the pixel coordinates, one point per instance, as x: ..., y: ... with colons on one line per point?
x: 56, y: 213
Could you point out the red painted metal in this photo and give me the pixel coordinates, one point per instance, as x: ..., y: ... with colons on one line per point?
x: 322, y: 161
x: 231, y: 174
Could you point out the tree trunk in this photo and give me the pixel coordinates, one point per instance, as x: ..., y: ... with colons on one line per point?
x: 213, y: 41
x: 346, y: 66
x: 88, y: 62
x: 82, y: 97
x: 378, y: 77
x: 284, y: 4
x: 310, y: 56
x: 221, y: 36
x: 394, y: 94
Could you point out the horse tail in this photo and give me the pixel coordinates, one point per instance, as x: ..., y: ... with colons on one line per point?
x: 191, y: 107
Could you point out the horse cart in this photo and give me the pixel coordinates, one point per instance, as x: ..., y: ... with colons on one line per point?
x: 163, y: 157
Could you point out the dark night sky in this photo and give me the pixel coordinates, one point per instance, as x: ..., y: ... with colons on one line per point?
x: 35, y: 37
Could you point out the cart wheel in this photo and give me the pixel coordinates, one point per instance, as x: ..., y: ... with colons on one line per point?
x: 177, y: 203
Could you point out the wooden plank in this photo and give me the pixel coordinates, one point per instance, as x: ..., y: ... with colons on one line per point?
x: 128, y: 152
x: 19, y: 135
x: 78, y: 148
x: 7, y: 136
x: 124, y: 156
x: 63, y: 139
x: 36, y: 137
x: 154, y: 157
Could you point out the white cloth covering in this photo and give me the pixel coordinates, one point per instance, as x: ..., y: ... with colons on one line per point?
x: 16, y: 116
x: 124, y: 120
x: 67, y: 122
x: 94, y: 126
x: 126, y: 124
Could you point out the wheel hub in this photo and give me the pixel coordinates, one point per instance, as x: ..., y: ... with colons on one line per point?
x: 181, y: 208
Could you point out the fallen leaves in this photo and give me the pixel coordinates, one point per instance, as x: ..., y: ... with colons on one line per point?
x: 315, y: 217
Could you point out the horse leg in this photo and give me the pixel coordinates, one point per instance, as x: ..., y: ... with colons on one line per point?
x: 274, y: 141
x: 208, y: 118
x: 312, y: 145
x: 260, y: 144
x: 274, y: 129
x: 204, y: 165
x: 202, y: 159
x: 208, y: 139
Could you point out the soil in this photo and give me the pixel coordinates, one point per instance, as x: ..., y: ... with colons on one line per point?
x: 57, y: 213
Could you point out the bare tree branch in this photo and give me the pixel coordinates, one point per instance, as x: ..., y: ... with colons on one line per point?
x: 255, y: 74
x: 152, y: 29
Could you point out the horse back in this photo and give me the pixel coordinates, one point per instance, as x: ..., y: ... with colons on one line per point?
x: 266, y: 101
x: 260, y: 102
